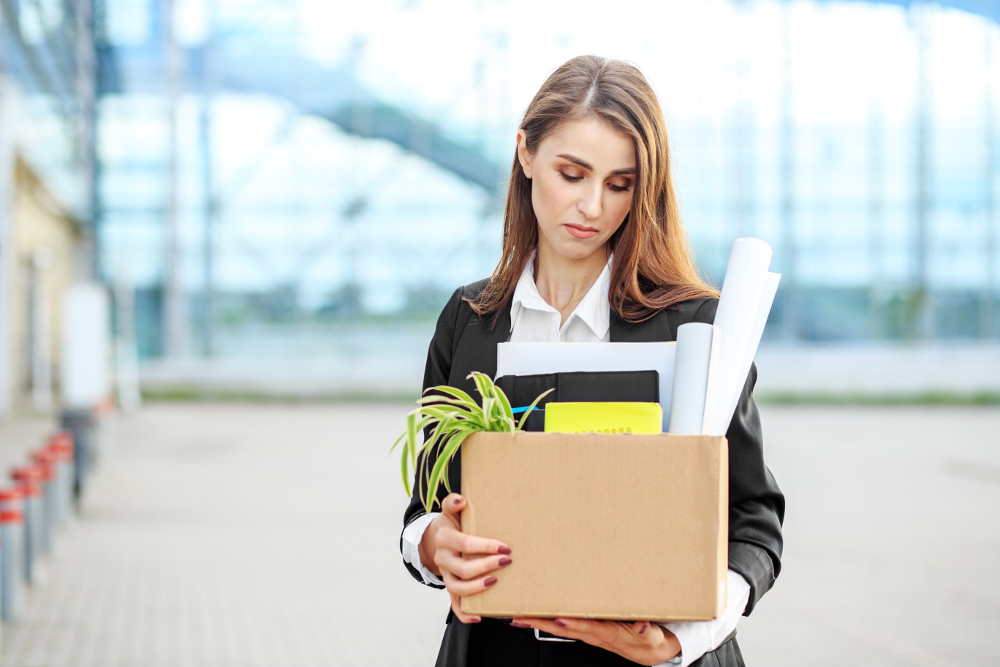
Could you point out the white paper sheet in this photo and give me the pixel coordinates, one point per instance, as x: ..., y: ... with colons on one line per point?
x: 695, y: 374
x: 541, y: 358
x: 768, y: 290
x: 737, y: 313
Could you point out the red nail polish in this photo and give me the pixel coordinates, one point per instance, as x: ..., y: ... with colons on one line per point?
x: 642, y: 630
x: 503, y: 550
x: 489, y: 582
x: 559, y: 623
x: 457, y: 501
x: 518, y: 624
x: 475, y: 620
x: 505, y: 561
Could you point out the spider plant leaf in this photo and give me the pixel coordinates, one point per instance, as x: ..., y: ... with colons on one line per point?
x: 398, y: 440
x: 409, y: 438
x: 441, y: 413
x: 455, y: 442
x: 453, y: 392
x: 407, y: 455
x: 483, y: 383
x: 425, y: 465
x: 439, y: 474
x: 532, y: 407
x: 471, y: 417
x: 442, y: 410
x: 440, y: 400
x: 443, y: 479
x: 439, y: 470
x: 450, y: 416
x: 504, y: 403
x: 421, y: 423
x: 449, y: 449
x: 411, y: 428
x: 449, y: 453
x: 404, y: 464
x: 440, y: 428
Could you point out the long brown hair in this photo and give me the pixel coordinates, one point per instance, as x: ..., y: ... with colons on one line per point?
x: 652, y: 267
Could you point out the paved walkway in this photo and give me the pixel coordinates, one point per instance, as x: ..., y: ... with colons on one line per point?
x: 268, y: 535
x: 18, y: 438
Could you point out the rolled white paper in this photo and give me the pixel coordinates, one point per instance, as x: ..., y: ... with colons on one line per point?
x: 768, y: 290
x: 737, y: 312
x: 695, y: 372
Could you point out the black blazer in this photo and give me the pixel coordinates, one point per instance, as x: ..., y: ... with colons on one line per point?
x: 463, y: 342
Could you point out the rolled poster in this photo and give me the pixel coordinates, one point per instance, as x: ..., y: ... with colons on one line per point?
x: 736, y: 315
x: 695, y: 375
x: 768, y: 290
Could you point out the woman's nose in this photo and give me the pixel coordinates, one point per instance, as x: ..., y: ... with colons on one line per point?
x: 590, y: 203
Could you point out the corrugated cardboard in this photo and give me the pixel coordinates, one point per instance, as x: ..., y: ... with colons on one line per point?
x: 626, y: 527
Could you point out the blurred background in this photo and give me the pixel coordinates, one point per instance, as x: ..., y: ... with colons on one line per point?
x: 282, y: 194
x: 249, y: 200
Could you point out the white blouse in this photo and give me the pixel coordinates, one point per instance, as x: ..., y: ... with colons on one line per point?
x: 533, y: 320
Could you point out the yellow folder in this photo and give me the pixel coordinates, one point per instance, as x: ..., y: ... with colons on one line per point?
x: 604, y: 417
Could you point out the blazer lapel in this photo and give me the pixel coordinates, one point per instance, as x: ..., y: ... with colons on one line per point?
x: 477, y: 350
x: 655, y: 329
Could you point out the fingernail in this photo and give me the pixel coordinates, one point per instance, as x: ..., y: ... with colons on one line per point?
x: 505, y: 561
x: 643, y: 629
x: 475, y: 620
x: 503, y: 550
x: 560, y: 623
x: 489, y: 582
x: 518, y: 624
x: 457, y: 501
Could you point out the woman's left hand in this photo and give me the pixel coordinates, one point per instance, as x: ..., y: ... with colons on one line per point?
x: 642, y: 641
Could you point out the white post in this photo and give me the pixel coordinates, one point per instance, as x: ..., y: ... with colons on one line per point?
x: 174, y: 306
x: 126, y: 349
x: 41, y: 343
x: 86, y: 346
x: 6, y: 246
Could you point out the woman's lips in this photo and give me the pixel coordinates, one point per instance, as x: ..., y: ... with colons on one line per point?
x: 581, y: 232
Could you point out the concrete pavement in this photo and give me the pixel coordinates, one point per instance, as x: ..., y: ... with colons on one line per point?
x: 268, y: 535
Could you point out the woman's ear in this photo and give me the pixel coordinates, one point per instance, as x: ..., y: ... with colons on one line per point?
x: 523, y: 156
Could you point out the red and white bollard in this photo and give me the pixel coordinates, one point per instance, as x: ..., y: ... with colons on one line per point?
x: 60, y: 448
x: 29, y: 484
x: 45, y: 462
x: 11, y: 551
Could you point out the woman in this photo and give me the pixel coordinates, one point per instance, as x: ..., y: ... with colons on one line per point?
x: 594, y: 249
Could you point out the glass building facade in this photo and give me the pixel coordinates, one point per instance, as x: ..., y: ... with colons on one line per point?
x: 48, y: 69
x: 315, y: 178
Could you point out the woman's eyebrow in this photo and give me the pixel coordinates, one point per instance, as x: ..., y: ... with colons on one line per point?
x: 575, y: 160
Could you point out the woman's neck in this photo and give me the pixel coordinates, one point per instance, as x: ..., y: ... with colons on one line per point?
x: 563, y: 282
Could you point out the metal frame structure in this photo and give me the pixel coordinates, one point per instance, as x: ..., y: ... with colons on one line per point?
x: 75, y: 64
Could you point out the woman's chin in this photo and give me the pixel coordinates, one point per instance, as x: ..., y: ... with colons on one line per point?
x: 568, y: 246
x: 578, y: 249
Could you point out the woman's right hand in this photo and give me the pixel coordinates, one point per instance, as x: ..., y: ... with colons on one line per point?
x: 443, y: 546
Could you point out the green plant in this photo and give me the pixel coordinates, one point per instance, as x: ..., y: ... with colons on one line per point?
x: 453, y: 416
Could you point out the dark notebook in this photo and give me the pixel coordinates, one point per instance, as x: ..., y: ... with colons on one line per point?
x: 582, y: 387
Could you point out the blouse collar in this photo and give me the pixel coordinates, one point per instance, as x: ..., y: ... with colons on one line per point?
x: 594, y: 309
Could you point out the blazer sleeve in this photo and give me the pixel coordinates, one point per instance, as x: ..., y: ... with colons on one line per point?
x: 756, y: 504
x: 436, y: 372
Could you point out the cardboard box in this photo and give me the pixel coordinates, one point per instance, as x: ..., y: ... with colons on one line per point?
x: 625, y: 527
